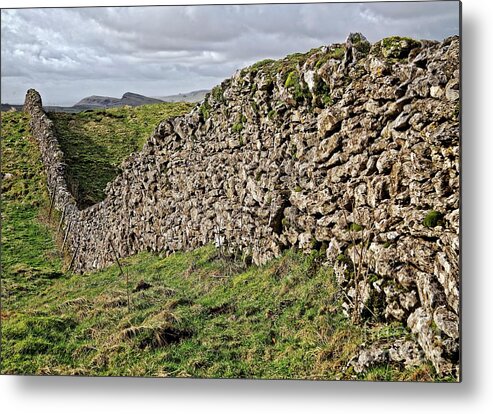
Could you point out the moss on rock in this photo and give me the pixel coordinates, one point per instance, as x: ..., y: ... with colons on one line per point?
x: 433, y: 219
x: 397, y: 47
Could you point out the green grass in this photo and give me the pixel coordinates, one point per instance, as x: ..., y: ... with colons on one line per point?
x: 96, y: 142
x: 333, y: 53
x: 202, y: 316
x: 395, y: 48
x: 30, y: 260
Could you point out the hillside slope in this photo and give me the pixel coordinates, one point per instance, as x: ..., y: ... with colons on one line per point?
x: 128, y: 98
x: 193, y: 96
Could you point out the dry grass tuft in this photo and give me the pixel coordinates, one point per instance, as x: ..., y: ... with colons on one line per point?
x: 158, y: 331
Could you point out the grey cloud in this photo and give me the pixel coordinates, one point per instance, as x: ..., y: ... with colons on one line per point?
x: 68, y: 53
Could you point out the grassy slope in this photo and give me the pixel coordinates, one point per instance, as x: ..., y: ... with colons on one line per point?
x: 96, y: 142
x: 201, y: 316
x: 29, y: 256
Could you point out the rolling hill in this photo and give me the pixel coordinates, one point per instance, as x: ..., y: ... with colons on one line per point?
x: 128, y: 98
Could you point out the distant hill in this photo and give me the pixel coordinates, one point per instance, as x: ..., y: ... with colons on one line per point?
x: 9, y: 107
x: 128, y: 98
x: 193, y: 96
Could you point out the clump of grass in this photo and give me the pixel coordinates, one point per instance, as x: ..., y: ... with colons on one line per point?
x: 261, y: 64
x: 217, y: 94
x: 205, y: 110
x: 292, y: 79
x: 359, y: 267
x: 237, y: 127
x: 239, y: 124
x: 336, y: 52
x: 355, y: 227
x: 397, y: 47
x: 297, y: 88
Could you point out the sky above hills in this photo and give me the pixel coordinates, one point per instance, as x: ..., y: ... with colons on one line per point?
x: 70, y: 53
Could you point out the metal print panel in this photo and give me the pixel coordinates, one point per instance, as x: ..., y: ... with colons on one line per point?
x: 235, y: 191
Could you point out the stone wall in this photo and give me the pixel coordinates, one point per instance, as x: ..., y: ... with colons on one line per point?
x: 351, y: 148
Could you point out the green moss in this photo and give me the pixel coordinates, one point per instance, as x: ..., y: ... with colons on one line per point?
x: 322, y: 92
x: 293, y: 83
x: 397, y: 47
x: 239, y: 124
x: 342, y: 258
x: 319, y: 246
x: 360, y: 44
x: 204, y: 110
x: 327, y: 100
x: 333, y: 53
x: 270, y: 68
x: 355, y: 227
x: 433, y: 218
x: 261, y: 64
x: 292, y: 79
x: 237, y: 127
x: 217, y: 93
x: 337, y: 53
x: 272, y: 114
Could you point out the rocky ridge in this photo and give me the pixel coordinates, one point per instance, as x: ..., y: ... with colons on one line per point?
x: 352, y: 149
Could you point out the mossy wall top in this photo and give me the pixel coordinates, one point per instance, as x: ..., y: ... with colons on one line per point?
x: 344, y: 146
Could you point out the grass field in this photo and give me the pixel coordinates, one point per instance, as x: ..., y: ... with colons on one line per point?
x: 190, y: 314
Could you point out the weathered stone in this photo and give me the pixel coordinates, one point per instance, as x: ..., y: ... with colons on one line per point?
x: 407, y: 352
x: 452, y: 90
x: 328, y: 120
x: 436, y: 92
x: 447, y: 321
x: 369, y: 357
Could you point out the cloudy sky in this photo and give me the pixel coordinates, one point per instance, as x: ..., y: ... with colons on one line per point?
x: 70, y: 53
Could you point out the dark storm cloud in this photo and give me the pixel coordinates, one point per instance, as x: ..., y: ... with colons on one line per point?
x: 70, y: 53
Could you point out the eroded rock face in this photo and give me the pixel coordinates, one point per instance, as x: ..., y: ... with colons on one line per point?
x: 352, y: 147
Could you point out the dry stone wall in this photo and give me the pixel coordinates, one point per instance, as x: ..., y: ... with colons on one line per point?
x: 351, y: 148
